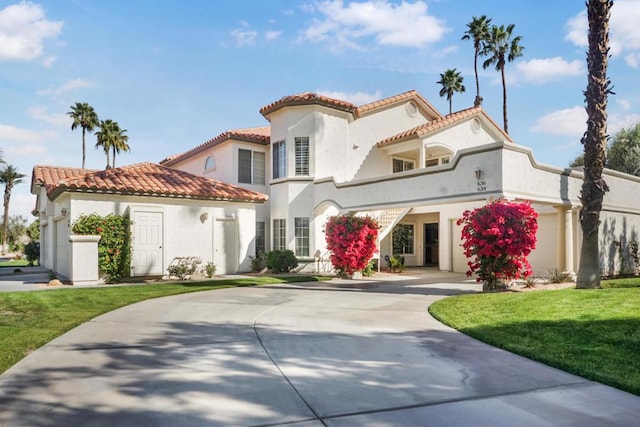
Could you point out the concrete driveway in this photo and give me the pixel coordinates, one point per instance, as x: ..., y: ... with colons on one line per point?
x: 343, y: 353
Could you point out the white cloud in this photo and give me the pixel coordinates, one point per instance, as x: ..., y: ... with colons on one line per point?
x: 577, y: 28
x: 26, y: 149
x: 624, y: 31
x: 11, y: 133
x: 244, y: 36
x: 633, y: 59
x: 623, y: 103
x: 570, y: 122
x: 48, y: 61
x: 23, y: 30
x: 70, y: 86
x: 616, y: 122
x: 272, y: 35
x: 357, y: 98
x: 57, y: 119
x: 548, y: 69
x: 404, y: 24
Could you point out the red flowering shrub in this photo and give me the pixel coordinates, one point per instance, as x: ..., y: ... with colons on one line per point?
x: 498, y: 237
x: 351, y: 240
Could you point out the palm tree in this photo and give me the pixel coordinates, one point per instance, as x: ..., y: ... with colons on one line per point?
x: 9, y: 176
x: 112, y: 139
x: 594, y: 142
x: 451, y: 82
x: 84, y: 116
x: 120, y: 144
x: 501, y: 48
x: 477, y: 30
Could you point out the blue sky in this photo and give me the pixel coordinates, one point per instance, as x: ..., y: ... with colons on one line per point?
x: 177, y: 73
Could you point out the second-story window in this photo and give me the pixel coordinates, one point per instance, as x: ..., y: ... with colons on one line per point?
x: 302, y: 156
x: 250, y: 167
x: 279, y: 159
x: 400, y: 165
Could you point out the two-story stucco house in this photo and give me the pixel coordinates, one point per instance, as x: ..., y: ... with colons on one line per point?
x: 402, y: 162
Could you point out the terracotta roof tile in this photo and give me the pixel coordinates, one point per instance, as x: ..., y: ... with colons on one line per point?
x: 364, y: 109
x: 441, y: 123
x: 258, y: 135
x: 147, y: 179
x: 308, y: 98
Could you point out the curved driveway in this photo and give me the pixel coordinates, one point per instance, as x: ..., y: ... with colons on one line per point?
x: 337, y: 354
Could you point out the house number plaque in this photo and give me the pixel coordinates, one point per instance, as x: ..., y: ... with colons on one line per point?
x: 482, y: 185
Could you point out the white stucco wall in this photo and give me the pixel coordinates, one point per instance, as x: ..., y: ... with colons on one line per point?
x: 187, y: 226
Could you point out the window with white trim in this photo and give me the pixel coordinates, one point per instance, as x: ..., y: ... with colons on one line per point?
x: 279, y: 159
x: 400, y: 165
x: 279, y: 234
x: 250, y: 167
x: 402, y: 238
x: 261, y: 234
x: 302, y: 156
x: 302, y: 236
x: 210, y: 163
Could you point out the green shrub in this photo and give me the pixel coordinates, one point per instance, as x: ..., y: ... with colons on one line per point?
x: 209, y: 270
x: 397, y: 261
x: 32, y: 252
x: 281, y: 261
x: 258, y: 263
x: 558, y: 276
x: 114, y: 253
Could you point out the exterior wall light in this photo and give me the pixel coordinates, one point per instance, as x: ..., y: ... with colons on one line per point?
x: 204, y: 216
x: 64, y: 212
x: 479, y: 173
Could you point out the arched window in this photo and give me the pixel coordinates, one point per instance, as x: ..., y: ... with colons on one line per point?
x: 210, y: 163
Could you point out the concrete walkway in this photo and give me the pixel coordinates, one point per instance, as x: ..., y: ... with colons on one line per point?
x: 342, y: 353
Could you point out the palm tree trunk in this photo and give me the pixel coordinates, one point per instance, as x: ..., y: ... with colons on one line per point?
x: 594, y: 141
x: 478, y: 100
x: 504, y: 101
x: 113, y: 159
x: 5, y: 221
x: 84, y: 149
x: 450, y: 104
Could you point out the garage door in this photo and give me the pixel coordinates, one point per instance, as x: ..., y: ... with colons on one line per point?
x: 544, y: 256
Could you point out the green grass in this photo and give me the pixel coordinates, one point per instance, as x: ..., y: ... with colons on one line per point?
x: 31, y: 319
x: 591, y: 333
x: 15, y: 263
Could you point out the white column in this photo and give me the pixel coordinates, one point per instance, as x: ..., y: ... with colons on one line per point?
x: 568, y: 240
x: 561, y: 239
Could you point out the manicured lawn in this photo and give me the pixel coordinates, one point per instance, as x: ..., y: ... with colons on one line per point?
x: 29, y: 320
x: 591, y: 333
x: 15, y: 263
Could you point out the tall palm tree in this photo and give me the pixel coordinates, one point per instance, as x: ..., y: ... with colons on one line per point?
x: 112, y: 140
x: 594, y: 142
x: 120, y: 144
x: 501, y: 47
x: 477, y: 30
x: 84, y: 116
x: 451, y: 82
x: 9, y: 176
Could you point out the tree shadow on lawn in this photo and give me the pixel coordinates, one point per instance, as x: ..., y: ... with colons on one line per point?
x: 601, y: 350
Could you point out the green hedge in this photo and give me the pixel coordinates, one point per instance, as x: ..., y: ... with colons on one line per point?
x: 114, y: 251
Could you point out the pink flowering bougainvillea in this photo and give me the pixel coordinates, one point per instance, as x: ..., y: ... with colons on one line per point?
x: 351, y: 240
x: 498, y: 237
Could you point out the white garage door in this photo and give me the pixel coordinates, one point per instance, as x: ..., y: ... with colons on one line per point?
x: 544, y: 256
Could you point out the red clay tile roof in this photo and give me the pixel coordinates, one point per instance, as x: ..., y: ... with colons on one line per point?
x: 141, y: 179
x: 257, y: 135
x: 307, y: 98
x: 412, y: 94
x: 441, y: 123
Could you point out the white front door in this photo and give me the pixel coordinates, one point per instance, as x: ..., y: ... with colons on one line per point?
x: 225, y: 246
x: 147, y: 243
